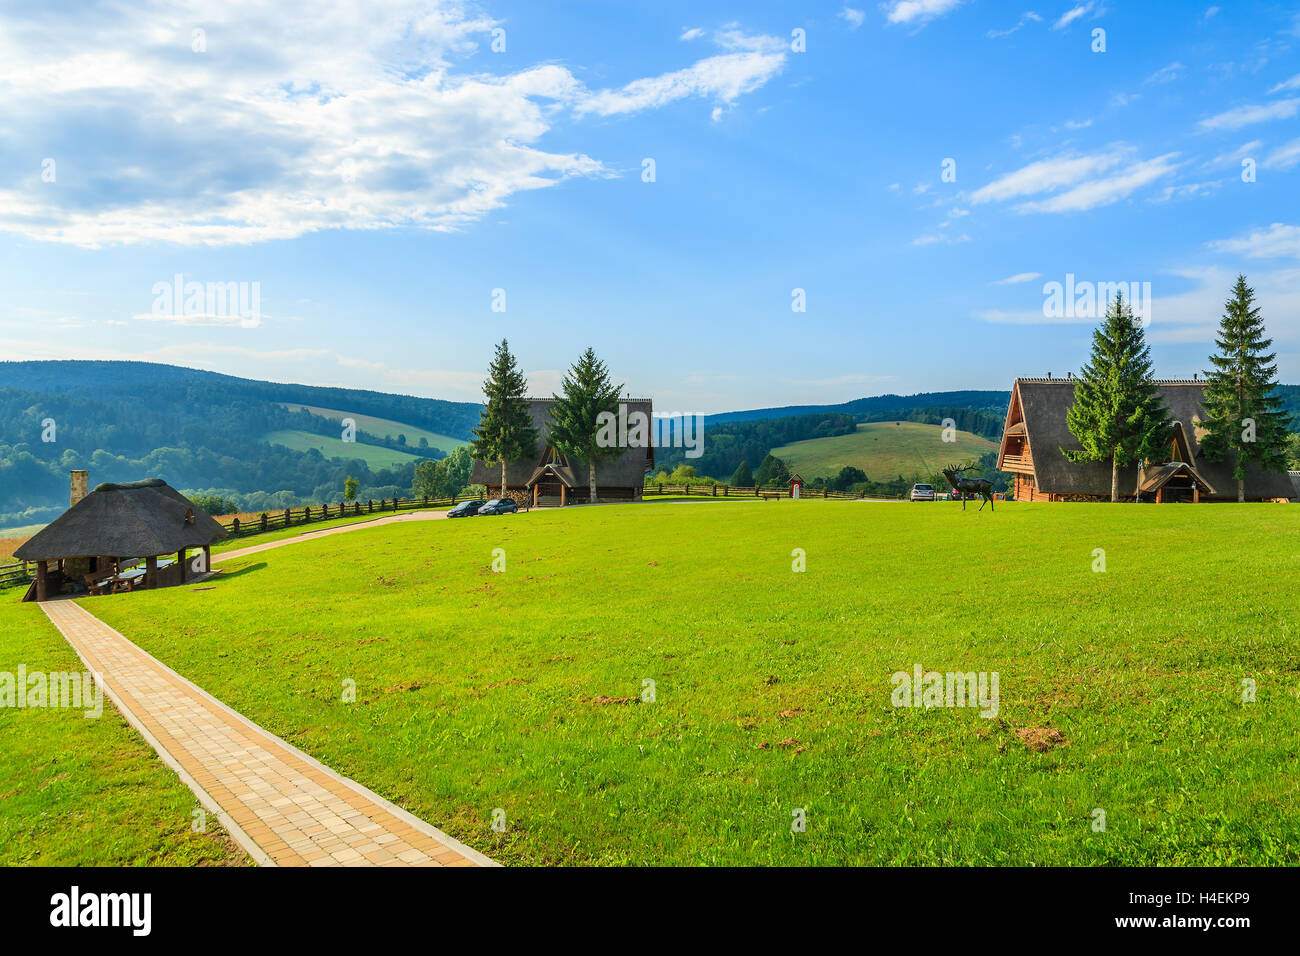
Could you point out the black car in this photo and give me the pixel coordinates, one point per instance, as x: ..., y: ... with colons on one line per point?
x: 499, y: 506
x: 466, y: 509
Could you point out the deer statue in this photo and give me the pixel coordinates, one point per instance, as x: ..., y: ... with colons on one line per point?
x: 982, y: 486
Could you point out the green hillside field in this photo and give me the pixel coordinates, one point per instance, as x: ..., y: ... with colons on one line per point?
x: 658, y: 684
x: 883, y: 450
x: 384, y: 426
x: 373, y: 455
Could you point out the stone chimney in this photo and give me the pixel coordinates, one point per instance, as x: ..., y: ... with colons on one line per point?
x: 80, y: 486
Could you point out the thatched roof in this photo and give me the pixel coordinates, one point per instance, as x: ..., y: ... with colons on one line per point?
x: 1044, y: 403
x: 136, y: 520
x: 626, y: 471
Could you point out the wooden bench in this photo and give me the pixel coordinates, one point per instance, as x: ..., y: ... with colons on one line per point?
x: 764, y: 495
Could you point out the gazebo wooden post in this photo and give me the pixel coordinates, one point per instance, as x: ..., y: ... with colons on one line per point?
x: 40, y: 580
x: 180, y: 562
x: 151, y: 571
x: 1196, y: 494
x: 536, y: 489
x: 563, y: 488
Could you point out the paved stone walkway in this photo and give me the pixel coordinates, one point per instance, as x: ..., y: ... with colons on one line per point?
x: 283, y: 807
x: 340, y: 529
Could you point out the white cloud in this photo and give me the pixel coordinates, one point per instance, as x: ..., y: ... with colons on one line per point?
x: 1076, y: 12
x: 1107, y: 190
x: 930, y: 239
x: 723, y: 78
x: 1187, y: 190
x: 356, y: 117
x: 1237, y: 155
x: 1278, y: 241
x: 854, y: 18
x: 1046, y: 175
x: 1252, y: 113
x: 918, y: 11
x: 1078, y: 124
x: 694, y: 33
x: 1284, y: 157
x: 1166, y: 74
x: 1291, y: 84
x: 1210, y: 12
x: 1018, y: 278
x: 1027, y: 17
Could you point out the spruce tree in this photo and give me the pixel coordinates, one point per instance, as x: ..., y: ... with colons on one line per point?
x: 587, y: 392
x: 505, y: 430
x: 1245, y: 417
x: 1117, y: 414
x: 742, y: 477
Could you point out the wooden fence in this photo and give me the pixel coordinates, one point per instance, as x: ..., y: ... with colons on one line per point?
x: 21, y: 572
x: 308, y: 514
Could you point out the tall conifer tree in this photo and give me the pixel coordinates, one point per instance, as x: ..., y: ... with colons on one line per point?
x: 1117, y: 414
x: 505, y: 430
x: 587, y: 391
x: 1244, y: 413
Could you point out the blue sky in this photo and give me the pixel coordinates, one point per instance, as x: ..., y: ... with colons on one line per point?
x: 379, y: 172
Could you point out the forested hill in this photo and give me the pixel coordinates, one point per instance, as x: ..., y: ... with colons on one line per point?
x: 880, y: 405
x: 91, y: 379
x: 203, y: 431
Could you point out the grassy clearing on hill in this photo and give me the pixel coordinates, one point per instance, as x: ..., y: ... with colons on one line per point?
x: 385, y: 426
x: 374, y: 456
x: 883, y: 450
x: 78, y: 791
x: 518, y: 690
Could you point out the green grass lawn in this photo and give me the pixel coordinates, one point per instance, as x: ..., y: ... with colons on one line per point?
x: 297, y: 530
x: 883, y: 450
x: 80, y: 791
x: 385, y: 426
x: 478, y: 690
x: 374, y: 456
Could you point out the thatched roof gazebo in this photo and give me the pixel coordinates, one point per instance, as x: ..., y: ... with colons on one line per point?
x: 116, y: 522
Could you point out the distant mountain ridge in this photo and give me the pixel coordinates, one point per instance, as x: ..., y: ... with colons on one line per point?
x: 982, y: 400
x: 89, y: 378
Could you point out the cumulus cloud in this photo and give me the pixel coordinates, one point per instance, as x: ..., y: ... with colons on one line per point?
x: 1019, y: 278
x: 918, y: 11
x: 1278, y: 241
x: 854, y: 18
x: 191, y: 123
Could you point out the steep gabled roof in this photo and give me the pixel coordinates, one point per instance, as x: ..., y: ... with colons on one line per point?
x: 628, y: 470
x: 1044, y: 403
x: 138, y: 520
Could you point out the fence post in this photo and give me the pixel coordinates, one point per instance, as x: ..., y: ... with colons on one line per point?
x: 234, y: 527
x: 263, y: 520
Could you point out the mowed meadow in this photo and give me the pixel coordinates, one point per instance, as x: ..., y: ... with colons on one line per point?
x: 476, y: 691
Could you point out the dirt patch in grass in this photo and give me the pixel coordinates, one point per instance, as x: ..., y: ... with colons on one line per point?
x: 1041, y: 739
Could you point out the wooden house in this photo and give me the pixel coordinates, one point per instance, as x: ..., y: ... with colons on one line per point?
x: 1036, y: 433
x: 549, y: 477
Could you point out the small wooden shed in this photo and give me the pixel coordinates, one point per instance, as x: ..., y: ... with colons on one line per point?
x: 117, y: 523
